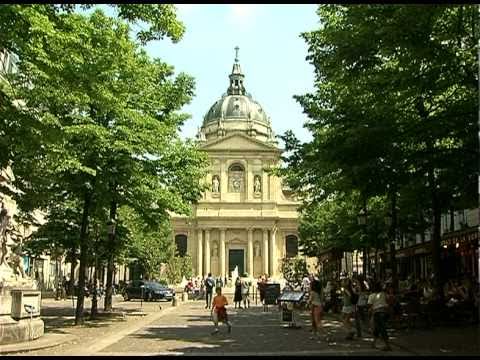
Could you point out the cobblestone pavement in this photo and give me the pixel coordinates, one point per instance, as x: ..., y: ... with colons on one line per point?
x: 258, y: 332
x: 186, y: 329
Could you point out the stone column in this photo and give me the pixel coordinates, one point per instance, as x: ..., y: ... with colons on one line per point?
x: 199, y: 253
x: 265, y: 251
x: 273, y: 251
x: 223, y: 179
x: 250, y: 252
x: 207, y: 251
x: 265, y: 185
x: 249, y: 189
x: 222, y: 253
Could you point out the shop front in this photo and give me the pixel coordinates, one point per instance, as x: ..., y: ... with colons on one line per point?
x: 459, y: 253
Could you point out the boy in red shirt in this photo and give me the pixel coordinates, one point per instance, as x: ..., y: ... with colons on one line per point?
x: 219, y: 312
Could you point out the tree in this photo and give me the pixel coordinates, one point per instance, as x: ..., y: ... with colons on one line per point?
x: 293, y: 270
x: 151, y: 246
x: 179, y: 267
x: 102, y: 121
x: 394, y: 108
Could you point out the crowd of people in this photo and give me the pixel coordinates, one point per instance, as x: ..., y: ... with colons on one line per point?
x: 362, y: 302
x: 371, y: 304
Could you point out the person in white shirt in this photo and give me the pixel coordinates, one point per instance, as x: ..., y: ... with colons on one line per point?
x: 378, y: 311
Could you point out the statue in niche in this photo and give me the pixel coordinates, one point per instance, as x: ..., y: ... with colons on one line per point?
x: 215, y: 184
x: 256, y: 249
x: 215, y: 249
x: 236, y: 185
x: 236, y: 178
x: 257, y: 185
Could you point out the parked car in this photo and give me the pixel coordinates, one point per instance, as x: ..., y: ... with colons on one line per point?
x: 151, y: 291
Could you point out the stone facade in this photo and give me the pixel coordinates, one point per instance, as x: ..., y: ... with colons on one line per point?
x: 245, y: 217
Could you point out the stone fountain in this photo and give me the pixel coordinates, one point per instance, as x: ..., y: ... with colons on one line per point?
x: 20, y: 301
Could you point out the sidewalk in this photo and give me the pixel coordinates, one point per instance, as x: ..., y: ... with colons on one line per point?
x: 61, y: 334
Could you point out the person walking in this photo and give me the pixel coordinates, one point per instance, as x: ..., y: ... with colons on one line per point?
x: 347, y: 309
x: 246, y: 293
x: 379, y: 312
x: 219, y: 311
x: 237, y: 297
x: 209, y: 285
x: 316, y: 305
x: 356, y: 292
x: 362, y: 307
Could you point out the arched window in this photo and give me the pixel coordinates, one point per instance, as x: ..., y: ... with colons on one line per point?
x: 181, y: 244
x: 291, y: 246
x: 236, y: 175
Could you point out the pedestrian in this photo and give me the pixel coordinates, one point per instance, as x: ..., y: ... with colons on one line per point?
x: 356, y: 292
x: 347, y: 309
x: 246, y: 293
x: 262, y: 284
x: 219, y: 311
x: 316, y: 305
x: 378, y: 313
x: 209, y: 285
x: 237, y: 297
x: 64, y: 287
x: 362, y: 307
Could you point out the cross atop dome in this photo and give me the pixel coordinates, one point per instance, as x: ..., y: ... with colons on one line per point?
x: 236, y: 53
x: 236, y: 78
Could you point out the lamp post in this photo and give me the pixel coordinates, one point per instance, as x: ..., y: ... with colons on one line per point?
x: 362, y: 221
x: 390, y: 221
x: 111, y: 225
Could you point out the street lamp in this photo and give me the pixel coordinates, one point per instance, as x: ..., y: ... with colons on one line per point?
x: 111, y: 225
x: 362, y: 217
x: 389, y: 222
x: 362, y: 221
x: 388, y: 219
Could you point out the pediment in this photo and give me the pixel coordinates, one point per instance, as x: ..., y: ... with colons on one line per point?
x: 238, y: 142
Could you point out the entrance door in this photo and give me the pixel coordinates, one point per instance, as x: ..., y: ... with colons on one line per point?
x: 235, y: 258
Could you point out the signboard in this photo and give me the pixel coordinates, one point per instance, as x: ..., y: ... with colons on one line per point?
x: 291, y: 296
x: 287, y: 315
x: 272, y: 292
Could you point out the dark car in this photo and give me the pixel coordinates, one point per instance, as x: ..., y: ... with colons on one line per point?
x: 150, y: 291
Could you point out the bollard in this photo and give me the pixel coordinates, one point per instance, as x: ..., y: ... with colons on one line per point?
x: 185, y: 297
x: 174, y: 301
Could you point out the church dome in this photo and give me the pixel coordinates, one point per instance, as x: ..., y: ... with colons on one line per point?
x: 236, y: 111
x: 236, y: 107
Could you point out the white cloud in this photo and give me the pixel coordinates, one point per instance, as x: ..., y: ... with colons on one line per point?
x: 243, y: 15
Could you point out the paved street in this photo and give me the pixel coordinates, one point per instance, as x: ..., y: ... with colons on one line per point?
x: 186, y: 329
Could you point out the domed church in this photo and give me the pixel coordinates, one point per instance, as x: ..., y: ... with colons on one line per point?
x: 247, y: 220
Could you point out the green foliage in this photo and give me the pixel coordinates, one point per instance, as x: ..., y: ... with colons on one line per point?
x: 178, y: 267
x: 89, y: 119
x: 293, y: 270
x: 393, y: 114
x: 152, y: 246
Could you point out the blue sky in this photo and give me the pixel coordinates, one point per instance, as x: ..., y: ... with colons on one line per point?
x: 272, y: 57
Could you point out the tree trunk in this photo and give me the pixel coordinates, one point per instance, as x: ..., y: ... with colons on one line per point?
x: 72, y: 273
x: 111, y: 264
x: 436, y: 236
x: 94, y: 309
x: 83, y: 259
x: 393, y: 238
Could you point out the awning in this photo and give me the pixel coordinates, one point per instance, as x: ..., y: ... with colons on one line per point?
x: 464, y: 236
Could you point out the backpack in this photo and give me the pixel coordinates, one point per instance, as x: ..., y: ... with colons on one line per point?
x: 209, y: 283
x: 354, y: 298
